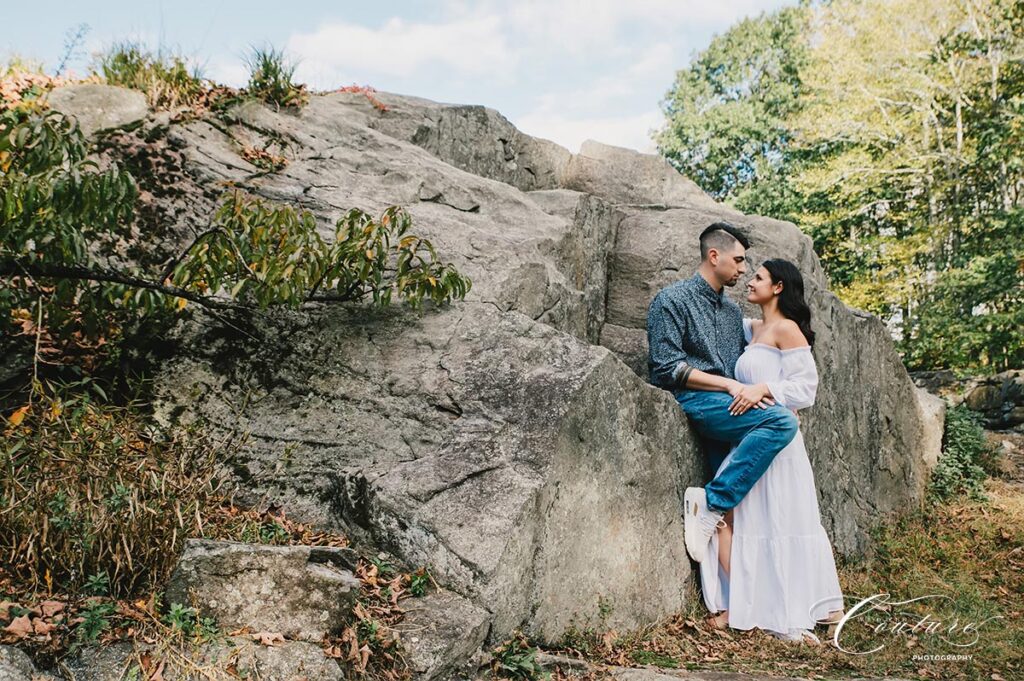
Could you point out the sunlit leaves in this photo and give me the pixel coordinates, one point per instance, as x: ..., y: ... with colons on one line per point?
x: 262, y: 254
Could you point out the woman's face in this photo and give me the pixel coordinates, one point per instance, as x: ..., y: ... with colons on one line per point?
x: 760, y: 288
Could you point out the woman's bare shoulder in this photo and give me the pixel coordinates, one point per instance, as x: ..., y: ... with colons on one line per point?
x: 787, y: 335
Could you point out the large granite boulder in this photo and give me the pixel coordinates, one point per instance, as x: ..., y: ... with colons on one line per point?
x: 509, y: 442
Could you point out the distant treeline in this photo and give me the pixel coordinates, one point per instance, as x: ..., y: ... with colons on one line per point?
x: 892, y: 132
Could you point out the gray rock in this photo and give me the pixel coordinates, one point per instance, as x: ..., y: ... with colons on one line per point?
x: 533, y: 470
x: 498, y: 432
x: 300, y: 592
x: 15, y: 665
x: 99, y: 107
x: 933, y: 421
x: 109, y: 662
x: 286, y: 661
x: 623, y: 176
x: 984, y: 398
x: 440, y: 633
x: 473, y: 138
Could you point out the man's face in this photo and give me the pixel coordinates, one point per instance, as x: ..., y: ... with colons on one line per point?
x: 731, y: 264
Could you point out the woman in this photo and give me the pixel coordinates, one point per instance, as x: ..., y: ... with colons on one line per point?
x: 775, y: 567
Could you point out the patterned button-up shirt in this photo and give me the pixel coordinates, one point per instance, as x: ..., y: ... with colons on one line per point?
x: 690, y: 324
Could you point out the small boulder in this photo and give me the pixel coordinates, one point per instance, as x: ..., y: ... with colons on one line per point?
x: 99, y: 107
x: 440, y: 634
x: 15, y: 665
x: 984, y: 398
x: 301, y: 592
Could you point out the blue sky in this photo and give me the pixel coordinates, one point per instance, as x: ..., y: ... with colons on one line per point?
x: 566, y: 70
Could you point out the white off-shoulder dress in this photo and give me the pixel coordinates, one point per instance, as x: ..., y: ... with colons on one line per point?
x: 783, y: 574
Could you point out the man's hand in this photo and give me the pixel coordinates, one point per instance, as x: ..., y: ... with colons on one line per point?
x: 749, y: 396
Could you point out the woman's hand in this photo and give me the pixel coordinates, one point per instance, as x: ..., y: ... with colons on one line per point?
x: 746, y: 397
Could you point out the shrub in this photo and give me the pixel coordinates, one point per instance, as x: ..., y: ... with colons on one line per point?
x: 961, y: 467
x: 92, y: 497
x: 166, y: 80
x: 270, y: 78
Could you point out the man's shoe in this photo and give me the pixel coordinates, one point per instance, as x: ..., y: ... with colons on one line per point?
x: 699, y: 522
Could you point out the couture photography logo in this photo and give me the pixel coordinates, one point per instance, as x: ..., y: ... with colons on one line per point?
x: 880, y: 620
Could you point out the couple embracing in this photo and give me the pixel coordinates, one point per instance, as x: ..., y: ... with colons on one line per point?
x: 755, y: 528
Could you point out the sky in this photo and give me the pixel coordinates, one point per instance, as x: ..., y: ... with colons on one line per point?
x: 564, y: 70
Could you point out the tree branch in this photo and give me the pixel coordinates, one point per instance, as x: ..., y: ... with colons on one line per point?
x: 14, y: 266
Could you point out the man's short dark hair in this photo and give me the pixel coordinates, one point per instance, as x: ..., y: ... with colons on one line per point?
x: 720, y: 236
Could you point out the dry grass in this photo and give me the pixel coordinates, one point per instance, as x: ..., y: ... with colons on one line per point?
x: 90, y: 493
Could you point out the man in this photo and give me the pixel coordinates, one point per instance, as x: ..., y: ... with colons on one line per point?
x: 694, y: 337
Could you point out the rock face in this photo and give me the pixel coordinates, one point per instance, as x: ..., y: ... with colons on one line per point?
x: 100, y: 107
x: 300, y: 592
x: 509, y: 442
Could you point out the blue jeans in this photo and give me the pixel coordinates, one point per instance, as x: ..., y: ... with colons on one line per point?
x: 760, y: 434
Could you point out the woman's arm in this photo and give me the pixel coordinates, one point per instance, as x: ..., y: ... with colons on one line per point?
x: 798, y: 386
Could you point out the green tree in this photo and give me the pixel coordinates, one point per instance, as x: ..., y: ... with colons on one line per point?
x: 895, y: 144
x: 726, y: 114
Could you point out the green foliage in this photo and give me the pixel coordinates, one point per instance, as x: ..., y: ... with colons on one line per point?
x: 890, y: 132
x: 263, y: 255
x: 92, y: 497
x: 516, y: 659
x: 166, y: 80
x: 95, y: 620
x: 726, y: 112
x: 98, y: 584
x: 59, y: 209
x: 180, y: 618
x: 62, y: 218
x: 270, y: 78
x: 657, y: 659
x: 418, y: 582
x: 965, y: 453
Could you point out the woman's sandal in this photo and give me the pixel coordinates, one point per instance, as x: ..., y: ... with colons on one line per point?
x: 832, y: 623
x: 714, y: 622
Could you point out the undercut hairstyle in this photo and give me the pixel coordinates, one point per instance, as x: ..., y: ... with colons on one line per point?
x: 720, y: 236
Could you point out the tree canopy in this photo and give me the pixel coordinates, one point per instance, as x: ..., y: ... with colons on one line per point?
x: 890, y: 131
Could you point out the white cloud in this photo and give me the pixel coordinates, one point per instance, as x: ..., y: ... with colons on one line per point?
x: 229, y: 70
x: 579, y: 26
x: 631, y: 131
x: 336, y: 54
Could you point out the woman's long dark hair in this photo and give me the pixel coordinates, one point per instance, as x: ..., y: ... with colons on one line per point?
x: 791, y: 301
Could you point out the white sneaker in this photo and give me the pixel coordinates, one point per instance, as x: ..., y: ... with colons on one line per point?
x: 699, y: 523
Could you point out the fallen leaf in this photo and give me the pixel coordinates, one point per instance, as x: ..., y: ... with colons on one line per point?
x: 18, y: 416
x: 158, y: 673
x: 268, y: 638
x: 51, y: 608
x: 42, y: 628
x: 20, y: 627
